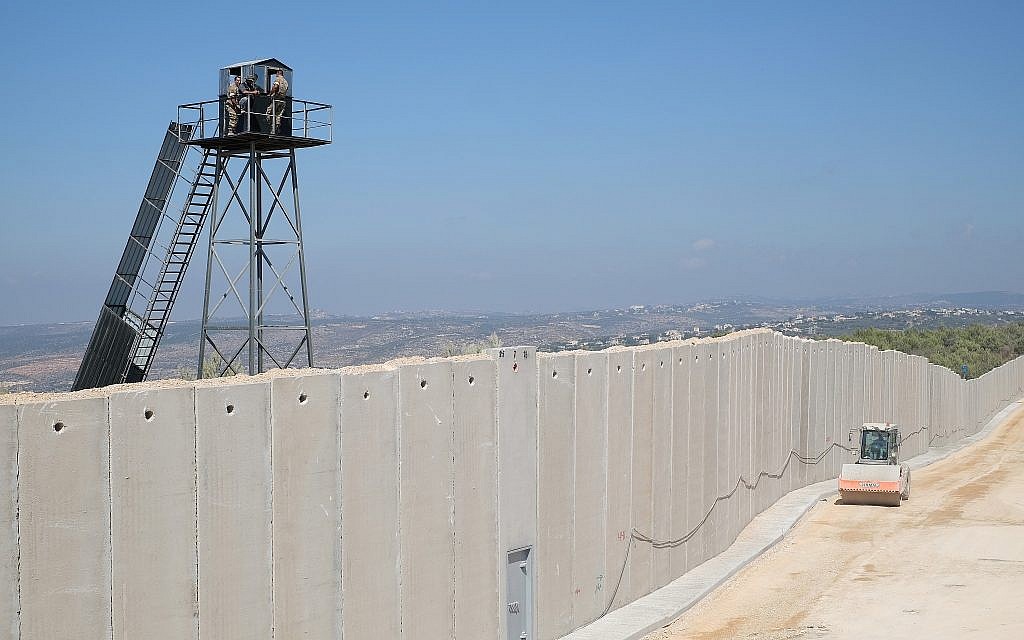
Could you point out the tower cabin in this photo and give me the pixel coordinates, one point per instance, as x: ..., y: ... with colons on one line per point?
x: 256, y: 110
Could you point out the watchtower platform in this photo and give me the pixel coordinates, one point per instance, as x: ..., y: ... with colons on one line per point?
x: 250, y: 112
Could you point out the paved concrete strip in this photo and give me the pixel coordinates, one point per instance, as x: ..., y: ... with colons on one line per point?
x: 659, y: 608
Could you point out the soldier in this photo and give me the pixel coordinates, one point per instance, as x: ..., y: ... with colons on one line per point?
x: 249, y: 89
x: 232, y: 106
x: 276, y: 110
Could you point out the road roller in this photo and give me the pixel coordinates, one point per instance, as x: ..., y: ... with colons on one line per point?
x: 878, y: 477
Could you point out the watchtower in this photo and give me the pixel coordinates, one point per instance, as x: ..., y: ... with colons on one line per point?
x: 244, y: 180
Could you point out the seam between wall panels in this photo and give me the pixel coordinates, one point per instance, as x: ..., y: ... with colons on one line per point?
x: 451, y: 509
x: 17, y: 516
x: 396, y: 394
x: 572, y: 492
x: 497, y: 493
x: 273, y: 496
x: 195, y: 510
x: 338, y: 539
x: 110, y: 518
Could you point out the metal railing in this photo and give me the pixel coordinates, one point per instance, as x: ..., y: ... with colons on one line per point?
x: 308, y: 119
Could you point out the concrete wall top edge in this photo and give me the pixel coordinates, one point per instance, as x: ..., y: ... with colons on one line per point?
x: 775, y: 339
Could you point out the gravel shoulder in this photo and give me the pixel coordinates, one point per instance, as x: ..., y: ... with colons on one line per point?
x: 949, y: 563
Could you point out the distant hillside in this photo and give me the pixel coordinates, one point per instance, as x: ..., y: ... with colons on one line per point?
x: 981, y: 347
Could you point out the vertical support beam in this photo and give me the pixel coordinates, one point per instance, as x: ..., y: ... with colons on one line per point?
x: 254, y: 282
x: 302, y: 257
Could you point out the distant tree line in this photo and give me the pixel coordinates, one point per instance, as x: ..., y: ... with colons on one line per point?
x: 981, y: 347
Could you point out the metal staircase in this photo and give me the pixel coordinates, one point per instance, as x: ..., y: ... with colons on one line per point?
x: 179, y: 252
x: 135, y: 313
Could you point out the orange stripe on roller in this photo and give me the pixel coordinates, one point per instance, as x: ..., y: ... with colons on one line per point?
x: 869, y: 485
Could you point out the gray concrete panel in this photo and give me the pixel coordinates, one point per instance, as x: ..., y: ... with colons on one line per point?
x: 590, y: 577
x: 662, y: 484
x: 517, y: 445
x: 807, y: 408
x: 765, y: 458
x: 641, y: 560
x: 726, y: 433
x: 153, y: 514
x: 790, y: 387
x: 748, y: 396
x: 724, y: 473
x: 697, y: 504
x: 234, y: 511
x: 619, y: 478
x: 682, y: 363
x: 64, y: 519
x: 517, y: 451
x: 9, y: 521
x: 796, y: 399
x: 712, y: 462
x: 758, y: 455
x: 782, y: 391
x: 306, y: 433
x: 833, y: 399
x: 369, y: 505
x: 476, y: 500
x: 426, y: 498
x: 734, y: 363
x: 555, y: 442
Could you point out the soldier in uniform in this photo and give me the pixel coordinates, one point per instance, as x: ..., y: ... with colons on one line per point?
x: 249, y: 89
x: 275, y: 111
x: 232, y: 106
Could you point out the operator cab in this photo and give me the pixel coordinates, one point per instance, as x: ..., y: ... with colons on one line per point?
x: 879, y: 444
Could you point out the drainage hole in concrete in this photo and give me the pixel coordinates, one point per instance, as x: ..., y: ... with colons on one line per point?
x: 423, y: 384
x: 554, y: 374
x: 471, y: 380
x: 230, y: 409
x: 618, y: 368
x: 590, y: 372
x: 643, y: 366
x: 148, y: 415
x: 661, y: 364
x: 302, y: 398
x: 366, y: 394
x: 515, y: 367
x: 58, y: 427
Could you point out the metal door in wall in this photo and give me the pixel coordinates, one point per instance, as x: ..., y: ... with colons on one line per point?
x: 519, y: 577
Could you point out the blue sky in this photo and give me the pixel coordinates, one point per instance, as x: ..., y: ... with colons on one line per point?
x: 545, y: 156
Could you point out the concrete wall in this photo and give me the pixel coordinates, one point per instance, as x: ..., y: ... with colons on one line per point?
x: 382, y: 501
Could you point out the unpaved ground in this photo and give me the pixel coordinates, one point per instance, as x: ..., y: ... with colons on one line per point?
x: 947, y: 564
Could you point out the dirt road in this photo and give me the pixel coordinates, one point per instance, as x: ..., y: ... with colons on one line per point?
x: 947, y: 564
